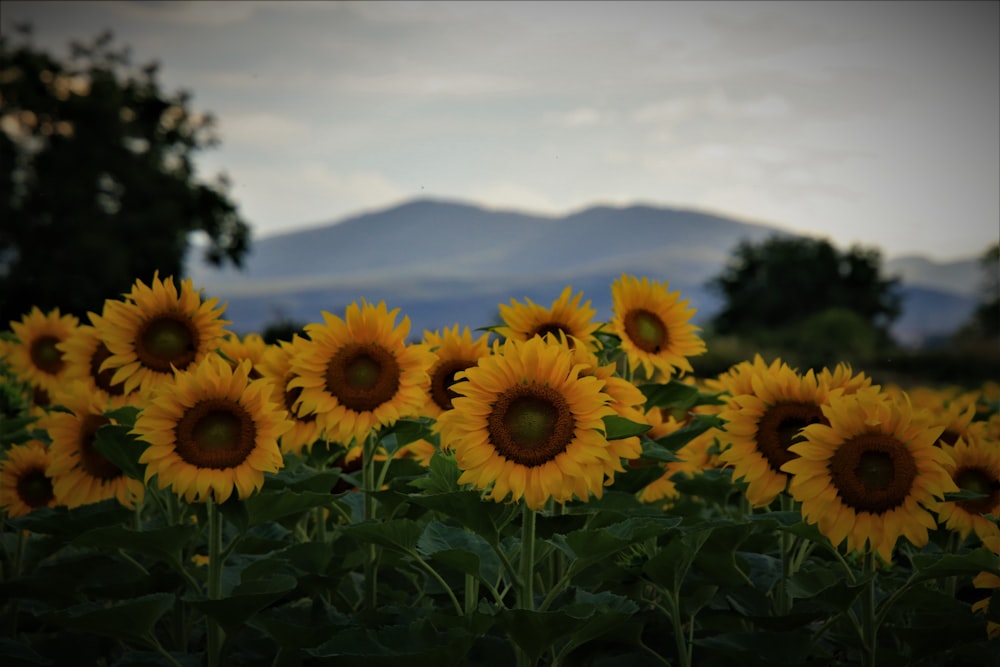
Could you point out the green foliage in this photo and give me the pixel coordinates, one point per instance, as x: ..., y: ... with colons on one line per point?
x: 97, y: 184
x: 982, y: 331
x: 780, y: 283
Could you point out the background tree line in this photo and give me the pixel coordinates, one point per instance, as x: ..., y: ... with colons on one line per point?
x: 97, y: 183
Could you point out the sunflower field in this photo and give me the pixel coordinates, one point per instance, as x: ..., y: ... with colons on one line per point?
x: 555, y: 490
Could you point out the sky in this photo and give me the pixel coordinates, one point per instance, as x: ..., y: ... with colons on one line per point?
x: 862, y: 122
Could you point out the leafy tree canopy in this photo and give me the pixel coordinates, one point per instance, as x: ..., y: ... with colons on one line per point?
x: 97, y: 185
x: 783, y: 282
x: 984, y: 325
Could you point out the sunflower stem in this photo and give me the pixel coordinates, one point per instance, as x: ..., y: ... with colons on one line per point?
x: 471, y: 594
x: 370, y: 508
x: 526, y: 599
x: 525, y: 592
x: 869, y: 624
x: 784, y: 601
x: 214, y: 632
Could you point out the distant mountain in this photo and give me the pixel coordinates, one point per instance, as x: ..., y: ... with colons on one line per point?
x: 444, y: 263
x: 960, y: 277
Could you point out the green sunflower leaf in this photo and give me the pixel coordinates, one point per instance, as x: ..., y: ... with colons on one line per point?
x: 303, y: 479
x: 682, y: 436
x: 245, y: 600
x: 460, y: 549
x: 927, y: 566
x: 674, y: 394
x: 117, y: 445
x: 670, y: 566
x: 442, y: 475
x: 588, y: 546
x: 270, y: 505
x: 761, y: 647
x: 963, y: 494
x: 125, y: 415
x: 72, y: 522
x: 468, y: 507
x: 129, y: 620
x: 163, y: 544
x: 396, y: 646
x: 617, y: 427
x: 401, y: 534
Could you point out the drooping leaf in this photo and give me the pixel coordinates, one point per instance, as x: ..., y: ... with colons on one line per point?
x: 271, y: 505
x: 245, y: 600
x: 617, y: 427
x: 400, y: 534
x: 130, y: 620
x: 460, y: 549
x: 164, y: 544
x: 64, y: 522
x: 468, y: 508
x: 116, y: 444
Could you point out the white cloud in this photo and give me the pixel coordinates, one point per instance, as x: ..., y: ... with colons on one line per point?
x: 510, y: 195
x: 578, y: 117
x: 260, y: 129
x: 275, y: 198
x: 187, y: 12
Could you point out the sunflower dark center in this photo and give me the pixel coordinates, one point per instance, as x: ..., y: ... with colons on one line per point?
x: 873, y: 473
x: 363, y: 376
x: 40, y: 397
x: 103, y: 378
x: 531, y: 424
x: 556, y: 330
x: 779, y: 427
x: 978, y: 480
x: 91, y: 460
x: 646, y: 330
x: 443, y: 379
x: 215, y: 433
x: 170, y: 339
x: 45, y: 356
x: 948, y: 437
x: 34, y: 488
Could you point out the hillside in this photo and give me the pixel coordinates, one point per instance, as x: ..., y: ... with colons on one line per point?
x: 443, y: 263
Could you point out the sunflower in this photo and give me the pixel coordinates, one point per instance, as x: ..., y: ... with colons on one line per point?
x: 84, y: 352
x: 867, y: 475
x: 653, y: 326
x: 565, y: 316
x: 236, y: 349
x: 842, y: 377
x: 80, y: 473
x: 762, y: 425
x: 974, y: 466
x: 35, y: 356
x: 527, y: 424
x: 455, y: 352
x: 358, y: 373
x: 25, y: 484
x: 956, y: 417
x: 275, y: 366
x: 989, y: 581
x: 212, y: 431
x: 157, y: 329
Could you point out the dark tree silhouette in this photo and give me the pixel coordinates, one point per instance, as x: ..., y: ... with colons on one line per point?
x: 984, y: 325
x: 97, y: 185
x: 778, y: 284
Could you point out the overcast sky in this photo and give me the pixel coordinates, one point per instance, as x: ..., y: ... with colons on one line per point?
x: 860, y: 121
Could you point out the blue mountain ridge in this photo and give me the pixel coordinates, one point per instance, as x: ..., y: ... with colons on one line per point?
x: 443, y: 263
